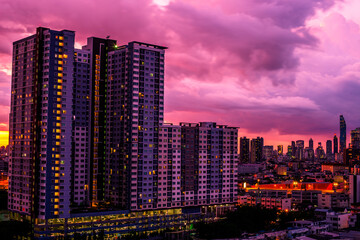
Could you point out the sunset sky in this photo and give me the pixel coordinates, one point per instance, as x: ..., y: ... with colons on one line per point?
x: 284, y: 70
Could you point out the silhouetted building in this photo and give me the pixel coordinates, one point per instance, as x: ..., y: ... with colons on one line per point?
x: 299, y: 149
x: 328, y: 148
x: 280, y: 149
x: 309, y: 153
x: 350, y: 155
x: 244, y: 150
x: 336, y: 144
x: 268, y: 152
x: 311, y: 144
x: 289, y: 151
x: 256, y: 149
x: 293, y: 149
x: 342, y: 133
x: 354, y: 186
x: 320, y: 153
x: 355, y: 138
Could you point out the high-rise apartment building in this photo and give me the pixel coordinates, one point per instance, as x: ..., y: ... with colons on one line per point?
x: 256, y: 149
x: 170, y: 168
x: 81, y: 128
x: 209, y: 163
x: 342, y: 134
x: 244, y: 150
x: 41, y: 118
x: 135, y: 112
x: 99, y: 49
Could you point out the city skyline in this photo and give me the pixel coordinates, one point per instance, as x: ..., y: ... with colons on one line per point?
x: 277, y: 85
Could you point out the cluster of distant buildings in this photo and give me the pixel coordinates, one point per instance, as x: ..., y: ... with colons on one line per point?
x: 254, y: 151
x: 327, y: 181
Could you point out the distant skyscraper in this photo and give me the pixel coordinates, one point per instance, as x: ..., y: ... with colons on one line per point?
x: 355, y: 138
x: 289, y: 151
x: 280, y: 149
x: 329, y: 148
x: 244, y: 150
x: 342, y: 133
x: 299, y: 149
x: 309, y: 153
x: 336, y: 144
x: 320, y: 153
x: 293, y: 150
x: 268, y: 152
x: 256, y: 149
x: 311, y: 144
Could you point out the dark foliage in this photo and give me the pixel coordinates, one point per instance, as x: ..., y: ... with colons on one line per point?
x: 14, y: 230
x: 249, y: 219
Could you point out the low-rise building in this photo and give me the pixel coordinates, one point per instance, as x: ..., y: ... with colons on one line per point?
x: 333, y: 200
x: 305, y: 196
x: 249, y: 168
x: 279, y: 203
x: 268, y: 193
x: 340, y: 220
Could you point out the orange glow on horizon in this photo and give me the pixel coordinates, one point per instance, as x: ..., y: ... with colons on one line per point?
x: 4, y: 138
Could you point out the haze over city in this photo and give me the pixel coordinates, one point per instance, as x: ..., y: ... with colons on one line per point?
x: 282, y: 70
